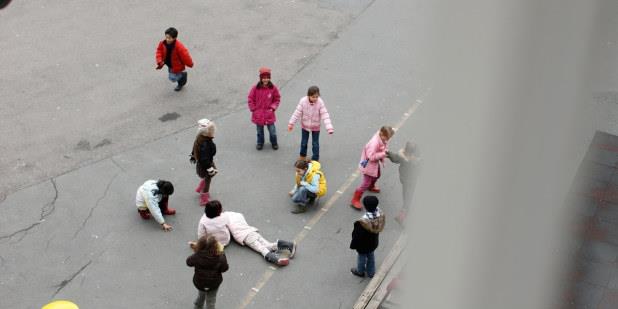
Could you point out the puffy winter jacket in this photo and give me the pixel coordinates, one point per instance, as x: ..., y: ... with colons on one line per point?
x: 263, y: 102
x: 208, y: 269
x: 310, y: 115
x: 180, y: 56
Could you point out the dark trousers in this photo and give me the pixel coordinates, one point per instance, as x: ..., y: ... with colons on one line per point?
x: 315, y: 144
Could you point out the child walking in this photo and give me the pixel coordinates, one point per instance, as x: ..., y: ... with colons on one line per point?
x: 311, y: 110
x: 210, y: 262
x: 203, y: 153
x: 263, y: 101
x: 365, y: 237
x: 175, y: 55
x: 372, y: 157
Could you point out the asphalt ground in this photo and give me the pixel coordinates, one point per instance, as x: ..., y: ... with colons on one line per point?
x: 77, y: 235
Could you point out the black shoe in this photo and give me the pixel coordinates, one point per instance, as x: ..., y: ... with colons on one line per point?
x: 299, y: 209
x: 357, y: 273
x: 274, y: 258
x: 179, y: 87
x: 275, y: 146
x: 259, y: 146
x: 287, y: 245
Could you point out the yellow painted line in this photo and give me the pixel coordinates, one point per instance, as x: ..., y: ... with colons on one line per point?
x: 316, y: 218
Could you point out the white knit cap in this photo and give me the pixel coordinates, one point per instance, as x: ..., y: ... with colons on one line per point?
x: 206, y: 127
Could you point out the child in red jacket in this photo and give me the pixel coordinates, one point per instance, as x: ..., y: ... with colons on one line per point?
x: 263, y: 101
x: 175, y: 55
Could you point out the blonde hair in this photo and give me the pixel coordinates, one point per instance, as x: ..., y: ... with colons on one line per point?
x: 206, y: 127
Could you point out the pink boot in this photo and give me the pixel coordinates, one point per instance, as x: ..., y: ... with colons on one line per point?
x: 200, y: 186
x: 204, y: 198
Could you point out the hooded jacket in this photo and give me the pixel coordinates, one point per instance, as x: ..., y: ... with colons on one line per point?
x: 263, y: 101
x: 208, y: 269
x: 365, y: 236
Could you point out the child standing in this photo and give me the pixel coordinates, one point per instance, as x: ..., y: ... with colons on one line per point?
x: 175, y: 55
x: 152, y: 199
x: 209, y: 262
x: 263, y: 101
x: 365, y: 237
x: 311, y: 110
x: 408, y: 161
x: 372, y: 157
x: 203, y: 153
x: 310, y: 184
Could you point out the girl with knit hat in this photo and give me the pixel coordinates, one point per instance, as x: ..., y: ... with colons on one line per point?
x: 365, y: 237
x: 210, y: 262
x: 372, y: 158
x: 204, y: 150
x: 310, y: 111
x: 263, y: 101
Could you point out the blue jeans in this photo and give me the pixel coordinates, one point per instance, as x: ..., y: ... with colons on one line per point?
x: 174, y: 77
x: 315, y: 144
x: 302, y: 196
x: 369, y: 260
x: 272, y: 134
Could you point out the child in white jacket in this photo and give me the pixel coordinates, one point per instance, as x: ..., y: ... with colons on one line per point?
x: 220, y: 224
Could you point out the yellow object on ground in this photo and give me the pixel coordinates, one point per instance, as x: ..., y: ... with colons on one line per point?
x: 60, y: 304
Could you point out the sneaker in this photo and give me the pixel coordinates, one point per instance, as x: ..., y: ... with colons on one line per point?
x: 299, y: 209
x: 287, y: 245
x: 275, y: 146
x: 178, y: 88
x: 259, y: 146
x: 274, y: 258
x: 357, y: 273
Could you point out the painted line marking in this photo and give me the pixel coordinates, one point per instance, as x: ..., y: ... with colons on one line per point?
x: 331, y: 201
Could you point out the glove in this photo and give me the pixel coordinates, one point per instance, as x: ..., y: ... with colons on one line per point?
x: 192, y: 160
x: 290, y: 127
x: 212, y: 171
x: 160, y: 65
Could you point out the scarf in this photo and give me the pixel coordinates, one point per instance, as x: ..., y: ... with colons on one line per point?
x: 372, y: 215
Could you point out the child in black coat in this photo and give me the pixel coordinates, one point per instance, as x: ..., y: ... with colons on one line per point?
x: 365, y: 237
x: 209, y: 262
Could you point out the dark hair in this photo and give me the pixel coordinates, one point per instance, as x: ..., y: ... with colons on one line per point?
x: 207, y: 243
x: 302, y: 164
x: 313, y: 90
x: 165, y: 187
x: 213, y: 209
x: 172, y: 32
x: 260, y: 85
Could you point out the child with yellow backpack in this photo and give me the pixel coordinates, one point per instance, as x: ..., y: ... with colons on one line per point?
x: 310, y: 185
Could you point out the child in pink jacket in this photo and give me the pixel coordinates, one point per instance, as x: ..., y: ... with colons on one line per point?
x: 263, y: 101
x: 372, y: 157
x: 311, y: 110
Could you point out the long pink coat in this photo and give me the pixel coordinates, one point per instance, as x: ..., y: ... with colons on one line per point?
x: 375, y: 151
x: 311, y: 114
x: 263, y: 101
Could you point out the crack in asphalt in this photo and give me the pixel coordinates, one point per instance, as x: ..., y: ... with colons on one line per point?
x: 109, y: 184
x: 117, y: 165
x: 65, y: 282
x: 46, y: 210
